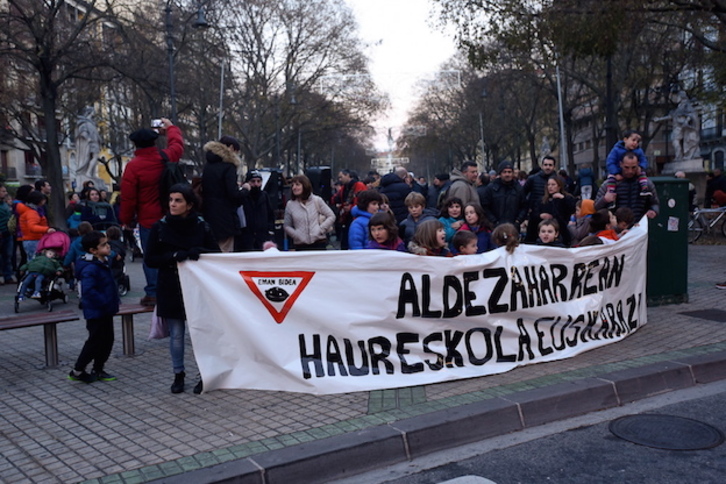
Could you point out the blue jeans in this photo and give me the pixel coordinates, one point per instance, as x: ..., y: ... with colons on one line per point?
x: 36, y: 277
x: 6, y: 256
x: 30, y: 247
x: 176, y: 343
x: 149, y: 273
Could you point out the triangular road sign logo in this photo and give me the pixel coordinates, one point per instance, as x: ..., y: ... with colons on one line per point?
x: 278, y: 291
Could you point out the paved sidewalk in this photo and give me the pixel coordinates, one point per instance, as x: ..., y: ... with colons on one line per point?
x: 134, y: 430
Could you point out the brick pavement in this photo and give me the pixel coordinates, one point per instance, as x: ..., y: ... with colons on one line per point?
x: 133, y: 430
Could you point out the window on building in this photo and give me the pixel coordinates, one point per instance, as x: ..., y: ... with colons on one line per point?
x: 32, y: 167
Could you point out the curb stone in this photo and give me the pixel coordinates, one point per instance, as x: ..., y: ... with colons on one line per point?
x: 403, y: 440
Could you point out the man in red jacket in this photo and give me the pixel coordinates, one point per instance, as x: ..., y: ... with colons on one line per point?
x: 345, y: 199
x: 140, y: 188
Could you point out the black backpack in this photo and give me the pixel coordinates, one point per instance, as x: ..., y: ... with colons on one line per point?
x: 172, y: 174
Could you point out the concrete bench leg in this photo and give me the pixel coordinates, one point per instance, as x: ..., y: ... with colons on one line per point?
x: 51, y: 345
x: 127, y: 333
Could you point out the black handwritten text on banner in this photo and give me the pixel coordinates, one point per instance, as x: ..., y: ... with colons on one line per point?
x: 342, y: 321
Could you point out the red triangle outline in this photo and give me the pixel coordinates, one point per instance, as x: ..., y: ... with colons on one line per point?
x: 278, y: 316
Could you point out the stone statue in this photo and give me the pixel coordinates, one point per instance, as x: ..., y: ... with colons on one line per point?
x: 88, y: 145
x: 545, y: 149
x: 686, y: 132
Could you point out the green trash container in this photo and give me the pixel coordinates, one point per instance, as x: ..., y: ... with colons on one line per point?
x: 667, y: 280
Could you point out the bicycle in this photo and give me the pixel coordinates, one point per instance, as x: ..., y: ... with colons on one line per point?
x: 703, y: 220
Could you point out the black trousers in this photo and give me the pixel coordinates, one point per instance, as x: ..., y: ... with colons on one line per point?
x: 97, y: 347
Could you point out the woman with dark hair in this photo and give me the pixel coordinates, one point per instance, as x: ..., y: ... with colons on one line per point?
x: 559, y: 205
x: 87, y: 185
x: 307, y: 217
x: 97, y: 212
x: 180, y: 236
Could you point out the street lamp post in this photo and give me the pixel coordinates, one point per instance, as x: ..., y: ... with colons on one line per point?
x: 294, y: 102
x: 199, y: 23
x: 563, y: 136
x: 221, y: 101
x: 299, y: 138
x: 484, y: 95
x: 170, y: 52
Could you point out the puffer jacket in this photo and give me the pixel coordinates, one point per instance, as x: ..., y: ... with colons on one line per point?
x: 616, y: 156
x: 396, y: 189
x: 32, y: 224
x: 47, y: 266
x: 628, y: 195
x: 358, y: 234
x: 99, y: 292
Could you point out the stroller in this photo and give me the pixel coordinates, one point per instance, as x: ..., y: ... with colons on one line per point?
x: 118, y: 267
x: 133, y: 242
x: 52, y: 287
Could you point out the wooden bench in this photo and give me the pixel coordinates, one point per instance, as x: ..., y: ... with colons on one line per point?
x: 48, y: 320
x: 127, y: 311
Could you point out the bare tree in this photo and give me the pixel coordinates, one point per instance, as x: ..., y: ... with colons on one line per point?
x: 48, y: 46
x: 299, y: 74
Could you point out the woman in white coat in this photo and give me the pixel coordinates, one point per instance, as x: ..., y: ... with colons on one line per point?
x: 308, y: 219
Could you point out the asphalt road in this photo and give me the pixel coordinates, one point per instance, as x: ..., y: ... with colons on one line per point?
x: 578, y: 450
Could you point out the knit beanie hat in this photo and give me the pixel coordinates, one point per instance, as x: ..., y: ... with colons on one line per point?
x: 504, y: 165
x: 253, y: 174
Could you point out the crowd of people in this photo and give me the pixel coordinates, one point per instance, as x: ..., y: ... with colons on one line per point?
x: 541, y: 211
x: 461, y: 213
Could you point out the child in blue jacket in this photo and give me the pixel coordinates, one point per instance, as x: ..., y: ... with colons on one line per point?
x: 629, y: 144
x: 368, y: 203
x: 100, y: 300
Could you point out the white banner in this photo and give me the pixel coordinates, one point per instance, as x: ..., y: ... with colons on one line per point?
x: 345, y: 321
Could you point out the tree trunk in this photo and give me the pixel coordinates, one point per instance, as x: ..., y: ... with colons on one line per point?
x: 531, y: 141
x: 52, y: 170
x: 611, y: 131
x: 571, y: 168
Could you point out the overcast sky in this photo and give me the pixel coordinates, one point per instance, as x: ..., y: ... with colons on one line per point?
x: 404, y: 49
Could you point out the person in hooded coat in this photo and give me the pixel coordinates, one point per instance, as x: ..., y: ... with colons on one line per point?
x: 221, y: 194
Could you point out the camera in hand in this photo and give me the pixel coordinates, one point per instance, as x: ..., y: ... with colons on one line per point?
x: 156, y: 123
